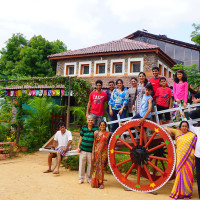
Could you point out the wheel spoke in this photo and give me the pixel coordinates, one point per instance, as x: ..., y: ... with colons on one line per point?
x: 133, y: 139
x: 155, y: 167
x: 158, y: 158
x: 122, y: 152
x: 150, y: 140
x: 138, y: 174
x: 141, y: 135
x: 157, y: 147
x: 121, y: 163
x: 130, y: 169
x: 129, y: 146
x: 148, y: 174
x: 162, y: 163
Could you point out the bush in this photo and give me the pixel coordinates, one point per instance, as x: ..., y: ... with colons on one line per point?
x: 71, y: 163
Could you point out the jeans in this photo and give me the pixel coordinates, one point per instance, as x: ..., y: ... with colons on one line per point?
x: 114, y: 117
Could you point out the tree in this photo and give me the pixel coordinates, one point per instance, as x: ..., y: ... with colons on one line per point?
x: 195, y: 35
x: 193, y: 74
x: 26, y: 58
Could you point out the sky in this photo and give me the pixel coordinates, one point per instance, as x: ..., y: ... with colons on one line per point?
x: 84, y: 23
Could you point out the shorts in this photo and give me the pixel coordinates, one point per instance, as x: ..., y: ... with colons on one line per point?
x: 167, y: 115
x: 137, y: 116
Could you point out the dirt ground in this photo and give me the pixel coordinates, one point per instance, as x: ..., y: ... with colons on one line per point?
x: 21, y: 178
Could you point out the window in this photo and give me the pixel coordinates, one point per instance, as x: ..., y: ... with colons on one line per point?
x: 100, y: 68
x: 84, y: 68
x: 135, y: 65
x: 160, y: 69
x: 70, y: 69
x: 117, y: 68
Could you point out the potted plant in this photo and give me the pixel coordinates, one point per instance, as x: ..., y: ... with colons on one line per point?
x: 22, y: 145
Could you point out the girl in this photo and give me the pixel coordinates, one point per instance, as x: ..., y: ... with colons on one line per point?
x: 180, y: 90
x: 140, y: 92
x: 100, y: 155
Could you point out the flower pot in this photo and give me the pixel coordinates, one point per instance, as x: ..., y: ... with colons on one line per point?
x: 24, y: 149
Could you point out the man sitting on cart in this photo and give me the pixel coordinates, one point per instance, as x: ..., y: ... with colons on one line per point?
x: 63, y: 140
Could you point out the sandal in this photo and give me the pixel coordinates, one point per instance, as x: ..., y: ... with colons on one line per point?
x: 47, y: 171
x: 56, y: 172
x: 101, y: 187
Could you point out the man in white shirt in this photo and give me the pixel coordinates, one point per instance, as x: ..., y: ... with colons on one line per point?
x: 63, y: 140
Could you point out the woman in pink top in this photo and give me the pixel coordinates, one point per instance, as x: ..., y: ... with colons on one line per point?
x: 180, y: 88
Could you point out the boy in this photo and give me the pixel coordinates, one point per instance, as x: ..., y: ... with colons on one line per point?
x: 145, y: 110
x: 63, y: 138
x: 163, y: 99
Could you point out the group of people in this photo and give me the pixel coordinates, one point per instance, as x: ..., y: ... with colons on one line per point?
x: 141, y: 98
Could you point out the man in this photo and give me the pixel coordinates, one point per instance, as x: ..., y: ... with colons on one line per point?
x: 85, y: 145
x: 96, y: 103
x: 63, y: 140
x: 111, y: 86
x: 196, y: 113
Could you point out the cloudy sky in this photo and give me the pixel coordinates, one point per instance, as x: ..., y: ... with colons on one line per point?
x: 83, y: 23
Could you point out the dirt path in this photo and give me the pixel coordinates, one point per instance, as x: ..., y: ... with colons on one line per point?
x: 22, y: 179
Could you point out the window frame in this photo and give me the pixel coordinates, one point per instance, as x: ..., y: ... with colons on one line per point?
x: 81, y: 64
x: 116, y: 61
x: 96, y: 64
x: 131, y: 60
x: 66, y: 68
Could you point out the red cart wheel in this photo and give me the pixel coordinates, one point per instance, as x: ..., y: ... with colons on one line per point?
x: 133, y: 163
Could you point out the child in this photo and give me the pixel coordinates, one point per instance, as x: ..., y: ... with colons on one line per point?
x: 145, y: 109
x: 180, y: 88
x: 163, y: 99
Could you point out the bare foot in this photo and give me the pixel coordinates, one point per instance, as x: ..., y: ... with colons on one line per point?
x: 56, y: 172
x: 101, y: 187
x: 47, y: 171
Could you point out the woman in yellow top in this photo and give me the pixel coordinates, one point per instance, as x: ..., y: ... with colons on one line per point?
x: 185, y: 144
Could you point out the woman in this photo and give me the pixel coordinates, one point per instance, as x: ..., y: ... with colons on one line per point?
x: 140, y: 92
x: 99, y: 156
x: 117, y: 103
x: 132, y: 95
x: 185, y: 144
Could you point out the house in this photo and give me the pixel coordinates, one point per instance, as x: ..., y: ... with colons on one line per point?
x: 122, y: 58
x: 180, y: 52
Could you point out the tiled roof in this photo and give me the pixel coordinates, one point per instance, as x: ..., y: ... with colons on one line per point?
x: 113, y: 46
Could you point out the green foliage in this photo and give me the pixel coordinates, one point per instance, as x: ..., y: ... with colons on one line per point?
x: 195, y: 36
x: 193, y: 74
x: 29, y: 58
x: 38, y: 121
x: 5, y: 118
x: 79, y: 113
x: 71, y: 163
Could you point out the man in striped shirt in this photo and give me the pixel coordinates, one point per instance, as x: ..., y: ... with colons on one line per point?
x: 85, y: 145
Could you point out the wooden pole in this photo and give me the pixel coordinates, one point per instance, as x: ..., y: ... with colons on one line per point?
x: 68, y: 104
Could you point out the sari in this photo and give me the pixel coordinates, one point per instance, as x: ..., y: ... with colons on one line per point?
x: 100, y: 159
x: 183, y: 185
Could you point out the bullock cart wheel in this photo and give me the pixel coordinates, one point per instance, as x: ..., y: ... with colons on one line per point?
x: 137, y: 166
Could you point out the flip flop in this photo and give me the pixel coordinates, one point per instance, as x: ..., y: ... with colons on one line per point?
x: 47, y: 171
x: 56, y: 172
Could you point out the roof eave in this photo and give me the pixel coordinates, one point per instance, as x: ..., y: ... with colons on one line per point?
x: 103, y: 54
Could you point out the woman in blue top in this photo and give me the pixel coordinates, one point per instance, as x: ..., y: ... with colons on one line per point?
x: 117, y: 103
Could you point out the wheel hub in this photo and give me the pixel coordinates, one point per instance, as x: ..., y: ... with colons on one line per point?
x: 139, y: 155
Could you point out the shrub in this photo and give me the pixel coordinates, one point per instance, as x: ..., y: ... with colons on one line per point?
x: 71, y: 163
